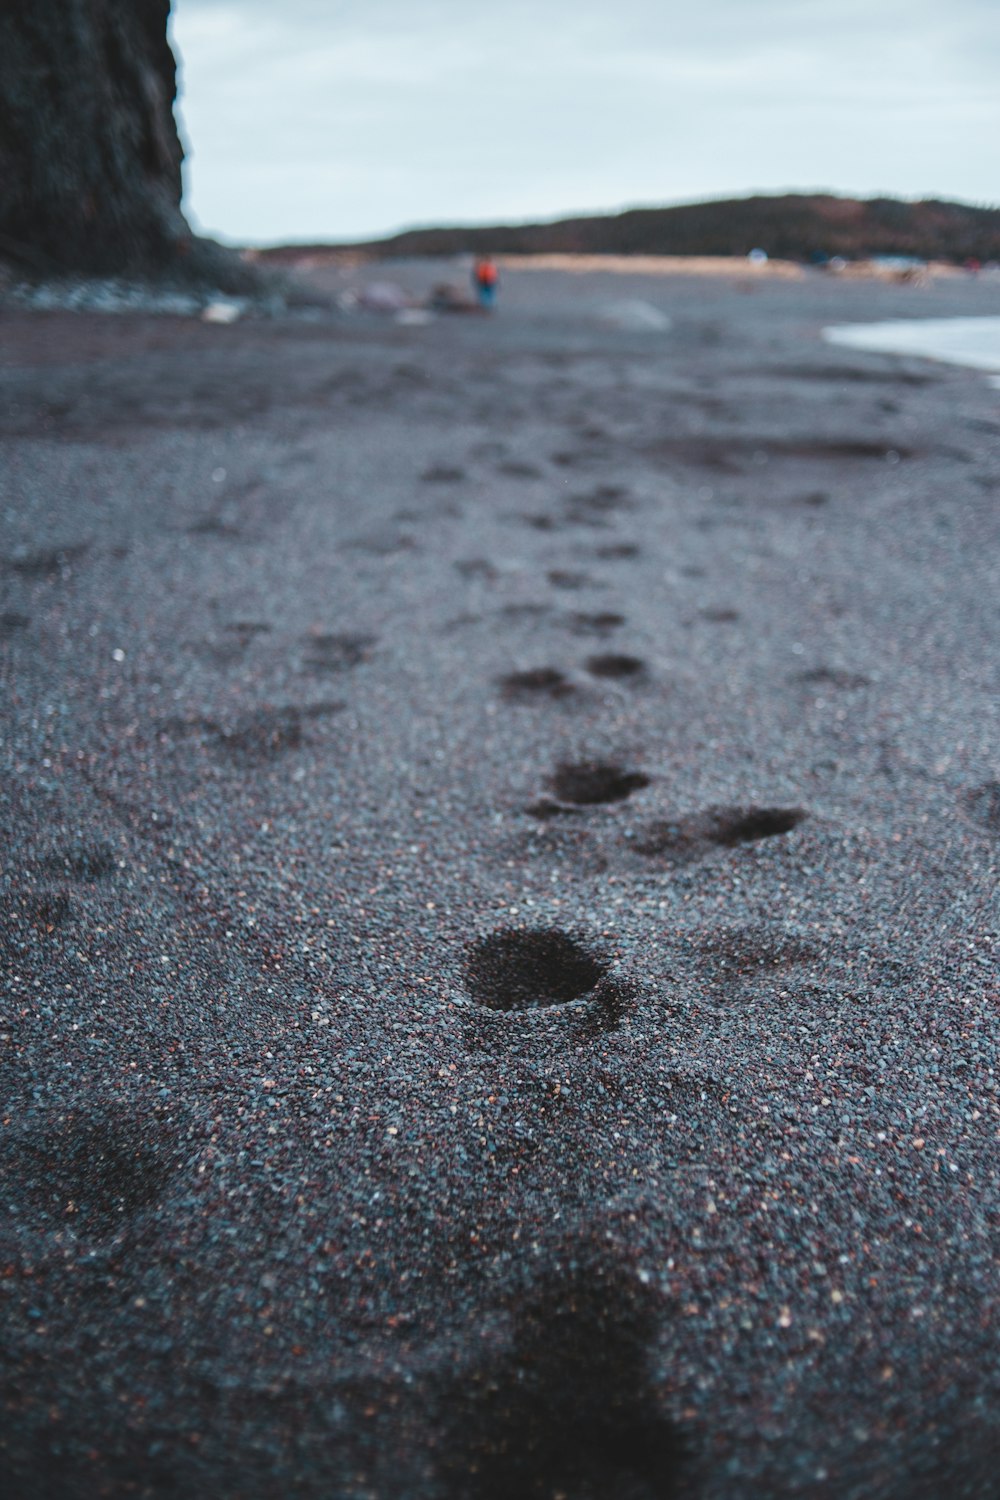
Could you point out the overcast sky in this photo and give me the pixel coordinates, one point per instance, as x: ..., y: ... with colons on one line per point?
x: 338, y: 119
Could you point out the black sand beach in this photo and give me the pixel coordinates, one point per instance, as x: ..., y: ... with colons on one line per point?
x: 501, y: 826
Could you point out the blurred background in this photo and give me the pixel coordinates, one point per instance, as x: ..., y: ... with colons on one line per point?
x: 317, y: 121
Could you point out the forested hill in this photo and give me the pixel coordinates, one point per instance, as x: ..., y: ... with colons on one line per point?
x: 795, y: 227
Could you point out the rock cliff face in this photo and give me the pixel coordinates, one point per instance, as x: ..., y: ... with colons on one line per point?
x: 90, y: 160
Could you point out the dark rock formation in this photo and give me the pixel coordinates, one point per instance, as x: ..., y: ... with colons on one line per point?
x: 90, y: 160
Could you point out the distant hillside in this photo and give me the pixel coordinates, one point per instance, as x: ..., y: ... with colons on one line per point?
x: 793, y: 227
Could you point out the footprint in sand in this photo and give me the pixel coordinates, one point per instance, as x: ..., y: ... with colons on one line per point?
x: 48, y: 564
x: 525, y: 969
x: 336, y: 652
x: 535, y: 683
x: 601, y: 623
x: 586, y: 784
x: 684, y: 840
x: 617, y: 667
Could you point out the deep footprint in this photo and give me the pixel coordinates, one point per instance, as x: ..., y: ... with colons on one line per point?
x: 601, y: 623
x: 476, y: 567
x: 618, y: 550
x: 570, y: 1411
x: 609, y: 664
x: 337, y: 653
x: 11, y: 622
x: 684, y: 840
x: 832, y: 677
x: 214, y: 526
x: 534, y: 683
x: 564, y: 578
x: 442, y: 474
x: 736, y: 827
x: 518, y: 969
x: 518, y: 470
x: 592, y: 783
x: 49, y: 564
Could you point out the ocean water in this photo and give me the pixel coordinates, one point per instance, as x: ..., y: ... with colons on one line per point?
x: 959, y: 341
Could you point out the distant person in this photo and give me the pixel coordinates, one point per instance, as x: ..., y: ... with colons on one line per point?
x: 485, y: 278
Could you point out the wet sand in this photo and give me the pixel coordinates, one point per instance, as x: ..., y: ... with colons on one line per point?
x: 501, y: 827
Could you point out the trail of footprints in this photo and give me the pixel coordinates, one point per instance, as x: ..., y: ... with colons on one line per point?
x: 519, y: 970
x: 94, y: 1175
x: 91, y: 1176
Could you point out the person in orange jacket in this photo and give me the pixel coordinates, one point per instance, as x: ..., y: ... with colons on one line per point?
x: 485, y: 279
